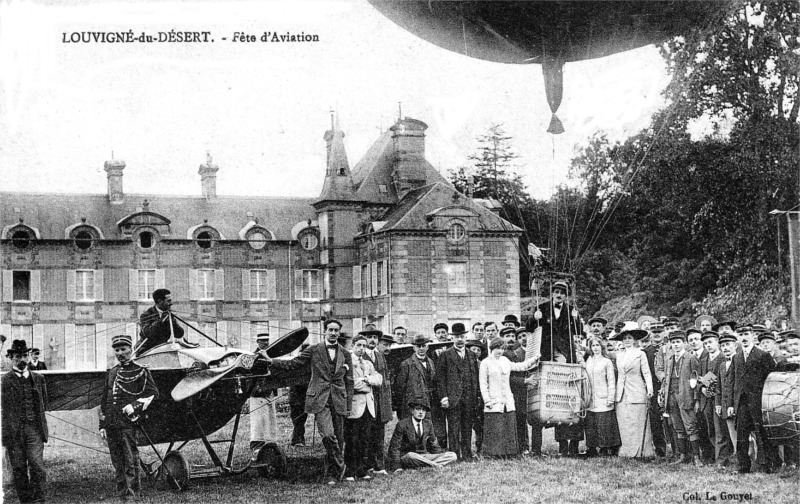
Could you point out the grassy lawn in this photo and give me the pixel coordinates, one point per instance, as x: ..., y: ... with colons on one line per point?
x: 82, y: 475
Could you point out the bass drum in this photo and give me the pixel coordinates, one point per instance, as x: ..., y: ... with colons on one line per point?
x: 780, y: 407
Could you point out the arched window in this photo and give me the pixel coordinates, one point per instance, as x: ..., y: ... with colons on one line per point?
x: 83, y: 235
x: 456, y: 233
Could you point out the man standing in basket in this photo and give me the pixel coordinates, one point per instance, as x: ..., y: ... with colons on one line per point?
x: 559, y: 321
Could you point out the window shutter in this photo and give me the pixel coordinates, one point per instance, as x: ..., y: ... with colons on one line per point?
x: 219, y: 284
x: 358, y: 325
x: 222, y: 332
x: 374, y: 275
x: 193, y: 294
x: 70, y: 345
x: 36, y: 286
x: 98, y: 285
x: 130, y: 330
x: 100, y: 347
x: 246, y: 291
x: 161, y: 279
x: 245, y: 339
x: 71, y: 297
x: 133, y: 285
x: 38, y: 337
x: 272, y: 289
x: 356, y: 281
x: 385, y: 278
x: 298, y: 284
x: 5, y: 329
x: 8, y: 286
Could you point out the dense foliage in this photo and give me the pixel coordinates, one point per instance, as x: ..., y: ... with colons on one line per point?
x: 684, y: 218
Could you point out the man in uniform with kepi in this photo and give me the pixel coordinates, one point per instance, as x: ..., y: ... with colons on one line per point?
x: 128, y: 391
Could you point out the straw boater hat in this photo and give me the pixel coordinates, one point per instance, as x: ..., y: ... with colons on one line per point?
x: 645, y: 318
x: 630, y: 328
x: 703, y: 318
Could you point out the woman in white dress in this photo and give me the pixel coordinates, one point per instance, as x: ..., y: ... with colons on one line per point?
x: 634, y: 390
x: 500, y: 419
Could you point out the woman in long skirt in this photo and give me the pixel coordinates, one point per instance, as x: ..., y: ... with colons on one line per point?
x: 499, y: 420
x: 634, y: 390
x: 601, y: 421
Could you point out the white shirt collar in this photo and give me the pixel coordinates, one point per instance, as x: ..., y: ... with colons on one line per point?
x: 24, y: 374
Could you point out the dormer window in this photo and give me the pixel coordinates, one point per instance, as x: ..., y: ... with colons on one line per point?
x: 309, y: 240
x: 21, y: 238
x: 83, y: 235
x: 145, y: 238
x: 257, y: 236
x: 456, y: 233
x: 204, y: 235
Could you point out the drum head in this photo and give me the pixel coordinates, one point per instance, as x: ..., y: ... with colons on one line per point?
x: 287, y: 343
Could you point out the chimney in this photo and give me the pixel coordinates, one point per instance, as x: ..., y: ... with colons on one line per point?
x: 408, y: 136
x: 114, y: 170
x: 208, y: 178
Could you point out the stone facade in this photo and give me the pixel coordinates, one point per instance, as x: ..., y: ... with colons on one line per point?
x: 389, y: 242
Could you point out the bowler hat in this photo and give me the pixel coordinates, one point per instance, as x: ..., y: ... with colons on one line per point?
x: 420, y: 339
x: 458, y: 328
x: 121, y: 339
x: 371, y: 332
x: 18, y: 346
x: 511, y: 319
x: 729, y: 323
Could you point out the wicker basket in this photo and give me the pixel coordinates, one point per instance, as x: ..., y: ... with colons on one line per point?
x: 557, y: 394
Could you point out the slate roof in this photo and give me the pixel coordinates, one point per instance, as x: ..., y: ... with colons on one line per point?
x: 412, y: 211
x: 52, y: 214
x: 338, y: 185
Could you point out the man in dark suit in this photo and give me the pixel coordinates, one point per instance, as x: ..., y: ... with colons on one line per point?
x: 415, y: 379
x: 519, y: 389
x: 654, y: 343
x: 559, y: 322
x: 680, y: 398
x: 710, y: 363
x: 330, y: 392
x: 723, y: 401
x: 751, y: 367
x: 383, y: 401
x: 35, y: 364
x: 24, y: 427
x: 457, y: 384
x: 414, y: 444
x: 157, y: 324
x: 695, y: 345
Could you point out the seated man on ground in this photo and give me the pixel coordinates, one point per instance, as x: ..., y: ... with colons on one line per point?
x: 414, y: 444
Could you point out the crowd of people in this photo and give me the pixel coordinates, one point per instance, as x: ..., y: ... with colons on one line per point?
x: 653, y: 390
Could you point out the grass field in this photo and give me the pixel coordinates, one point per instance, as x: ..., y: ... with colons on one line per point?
x: 82, y: 475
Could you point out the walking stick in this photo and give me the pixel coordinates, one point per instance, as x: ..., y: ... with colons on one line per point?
x: 644, y: 431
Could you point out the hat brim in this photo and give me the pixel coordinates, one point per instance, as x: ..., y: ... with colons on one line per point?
x: 638, y: 334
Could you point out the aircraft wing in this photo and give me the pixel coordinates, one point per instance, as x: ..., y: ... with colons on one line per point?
x: 73, y: 390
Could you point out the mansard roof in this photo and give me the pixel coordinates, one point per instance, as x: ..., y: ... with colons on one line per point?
x: 413, y: 211
x: 53, y: 213
x: 372, y: 175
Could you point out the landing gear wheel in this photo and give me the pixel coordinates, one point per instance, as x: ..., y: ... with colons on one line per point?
x: 175, y: 471
x: 271, y: 461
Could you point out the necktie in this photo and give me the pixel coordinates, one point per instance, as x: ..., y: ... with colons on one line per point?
x: 419, y: 430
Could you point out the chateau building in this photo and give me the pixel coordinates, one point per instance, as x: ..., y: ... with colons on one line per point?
x: 389, y: 241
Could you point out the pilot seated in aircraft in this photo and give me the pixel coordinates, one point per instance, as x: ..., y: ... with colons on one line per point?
x: 128, y: 391
x: 157, y: 323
